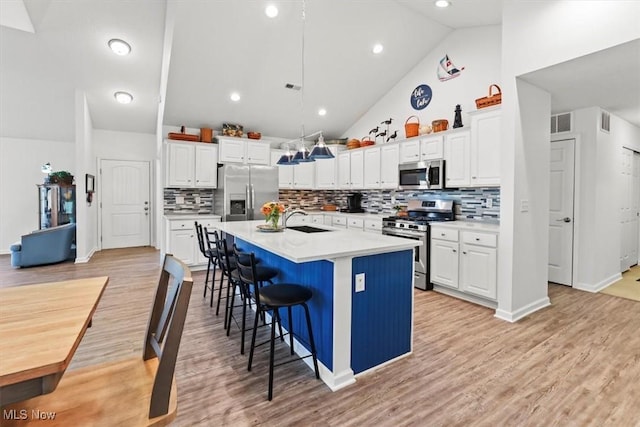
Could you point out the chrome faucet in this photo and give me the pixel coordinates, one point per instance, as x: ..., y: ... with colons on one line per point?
x: 288, y: 215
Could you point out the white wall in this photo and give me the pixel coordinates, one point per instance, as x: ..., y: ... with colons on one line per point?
x: 87, y: 223
x: 476, y: 49
x: 536, y: 35
x: 20, y: 163
x: 599, y: 198
x: 113, y: 145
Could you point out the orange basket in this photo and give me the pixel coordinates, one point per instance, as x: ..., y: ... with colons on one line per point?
x: 440, y: 125
x: 366, y: 141
x: 492, y: 99
x: 411, y: 129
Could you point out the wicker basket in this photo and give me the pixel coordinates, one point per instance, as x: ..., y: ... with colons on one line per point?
x: 492, y: 99
x: 366, y: 141
x: 411, y: 129
x: 440, y: 125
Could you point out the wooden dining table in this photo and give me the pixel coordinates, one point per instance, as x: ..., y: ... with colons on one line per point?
x: 41, y: 326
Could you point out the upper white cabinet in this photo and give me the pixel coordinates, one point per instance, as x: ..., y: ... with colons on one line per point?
x: 428, y: 147
x: 326, y: 173
x: 301, y: 176
x: 473, y: 157
x: 456, y: 156
x: 192, y: 165
x: 351, y: 170
x: 389, y: 159
x: 240, y: 150
x: 485, y: 148
x: 372, y: 168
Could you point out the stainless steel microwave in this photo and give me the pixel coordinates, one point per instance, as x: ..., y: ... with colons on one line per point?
x: 427, y: 175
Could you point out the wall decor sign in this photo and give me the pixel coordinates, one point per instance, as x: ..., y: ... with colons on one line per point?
x: 421, y: 97
x: 446, y: 69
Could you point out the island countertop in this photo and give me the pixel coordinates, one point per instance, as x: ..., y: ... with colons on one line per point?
x: 301, y: 247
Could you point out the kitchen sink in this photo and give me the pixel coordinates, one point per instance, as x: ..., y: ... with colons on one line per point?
x: 307, y: 228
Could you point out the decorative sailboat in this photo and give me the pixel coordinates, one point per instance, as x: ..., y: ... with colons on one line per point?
x: 446, y: 69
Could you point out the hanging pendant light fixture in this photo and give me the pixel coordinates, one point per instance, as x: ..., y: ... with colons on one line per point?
x: 320, y: 151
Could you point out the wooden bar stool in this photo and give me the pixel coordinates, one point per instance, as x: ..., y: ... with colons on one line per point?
x: 272, y: 298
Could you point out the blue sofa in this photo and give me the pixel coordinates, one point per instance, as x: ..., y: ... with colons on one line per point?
x: 46, y: 246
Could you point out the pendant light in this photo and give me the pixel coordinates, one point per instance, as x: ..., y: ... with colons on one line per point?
x: 320, y: 150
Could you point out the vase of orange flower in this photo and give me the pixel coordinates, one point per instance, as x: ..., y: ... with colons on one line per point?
x: 272, y: 212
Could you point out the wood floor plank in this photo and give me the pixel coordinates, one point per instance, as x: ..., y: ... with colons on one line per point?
x: 575, y: 363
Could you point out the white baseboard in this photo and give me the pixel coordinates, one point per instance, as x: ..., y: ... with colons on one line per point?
x: 597, y: 287
x: 514, y: 316
x: 82, y: 260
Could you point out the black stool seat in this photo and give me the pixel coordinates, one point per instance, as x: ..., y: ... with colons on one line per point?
x: 284, y: 294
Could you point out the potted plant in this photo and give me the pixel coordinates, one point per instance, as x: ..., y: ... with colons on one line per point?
x: 61, y: 177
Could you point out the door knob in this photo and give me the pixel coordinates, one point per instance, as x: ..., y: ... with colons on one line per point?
x: 565, y: 219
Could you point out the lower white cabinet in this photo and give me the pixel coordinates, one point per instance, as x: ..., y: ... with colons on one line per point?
x: 182, y: 240
x: 465, y: 260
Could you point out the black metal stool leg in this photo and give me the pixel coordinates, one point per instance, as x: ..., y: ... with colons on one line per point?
x: 253, y: 336
x: 290, y: 329
x: 311, y: 340
x: 228, y: 320
x: 206, y: 280
x: 271, y: 352
x: 244, y: 320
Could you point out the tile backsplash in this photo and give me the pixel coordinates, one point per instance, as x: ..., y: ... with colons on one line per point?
x: 472, y: 203
x: 188, y: 201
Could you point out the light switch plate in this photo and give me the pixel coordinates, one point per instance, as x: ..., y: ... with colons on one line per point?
x: 179, y: 200
x: 359, y: 282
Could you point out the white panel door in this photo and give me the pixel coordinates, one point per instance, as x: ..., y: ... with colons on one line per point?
x: 431, y: 148
x: 628, y: 212
x: 206, y: 165
x: 561, y: 212
x: 635, y: 248
x: 444, y: 263
x: 372, y: 168
x: 389, y: 159
x: 478, y: 270
x: 344, y: 170
x: 180, y: 164
x: 125, y: 203
x: 357, y: 169
x: 456, y: 155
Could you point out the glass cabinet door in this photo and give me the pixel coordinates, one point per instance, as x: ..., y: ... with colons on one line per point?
x: 57, y: 205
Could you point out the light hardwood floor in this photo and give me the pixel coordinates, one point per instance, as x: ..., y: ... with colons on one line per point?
x: 576, y: 363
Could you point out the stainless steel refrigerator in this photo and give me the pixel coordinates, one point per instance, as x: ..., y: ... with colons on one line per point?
x: 243, y: 189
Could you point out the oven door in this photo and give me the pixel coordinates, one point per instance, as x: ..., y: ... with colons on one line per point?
x: 420, y: 253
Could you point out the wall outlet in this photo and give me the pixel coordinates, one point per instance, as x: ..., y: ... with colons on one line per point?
x: 179, y: 200
x: 197, y: 200
x: 524, y: 205
x: 489, y: 202
x: 360, y: 282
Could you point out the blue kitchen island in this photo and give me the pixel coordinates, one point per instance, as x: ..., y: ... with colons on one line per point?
x: 355, y: 330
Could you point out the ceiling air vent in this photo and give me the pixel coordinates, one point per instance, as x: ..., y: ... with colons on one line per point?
x: 561, y: 123
x: 605, y: 121
x: 292, y: 86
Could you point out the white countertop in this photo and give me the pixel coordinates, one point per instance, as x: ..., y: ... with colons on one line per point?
x: 365, y: 215
x: 303, y: 247
x: 469, y: 225
x: 188, y: 216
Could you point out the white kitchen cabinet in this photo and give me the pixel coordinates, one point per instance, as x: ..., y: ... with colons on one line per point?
x: 456, y: 156
x: 326, y: 174
x: 485, y: 148
x: 285, y: 172
x: 444, y: 262
x: 339, y: 221
x: 355, y: 223
x: 428, y: 147
x: 192, y: 165
x: 373, y: 225
x: 304, y: 175
x: 351, y: 170
x: 240, y: 150
x: 410, y: 151
x: 465, y: 260
x: 478, y: 264
x: 372, y: 168
x: 182, y: 240
x: 389, y: 160
x: 431, y: 147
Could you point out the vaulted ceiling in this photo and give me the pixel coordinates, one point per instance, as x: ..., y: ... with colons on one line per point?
x: 218, y: 47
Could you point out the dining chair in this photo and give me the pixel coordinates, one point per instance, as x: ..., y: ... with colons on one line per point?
x: 138, y: 391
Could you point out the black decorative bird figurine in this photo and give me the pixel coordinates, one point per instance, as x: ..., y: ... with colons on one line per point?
x: 374, y: 130
x: 386, y: 122
x: 394, y: 135
x: 382, y: 134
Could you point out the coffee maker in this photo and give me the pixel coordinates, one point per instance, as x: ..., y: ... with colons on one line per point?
x: 354, y: 201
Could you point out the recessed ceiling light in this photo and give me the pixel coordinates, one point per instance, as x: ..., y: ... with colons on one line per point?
x: 377, y: 48
x: 442, y: 3
x: 235, y: 96
x: 123, y: 97
x: 322, y: 112
x: 271, y: 11
x: 119, y: 47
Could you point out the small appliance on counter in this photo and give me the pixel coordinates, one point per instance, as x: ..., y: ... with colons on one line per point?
x: 354, y: 203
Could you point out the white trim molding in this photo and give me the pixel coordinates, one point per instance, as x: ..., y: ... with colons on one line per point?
x: 597, y: 287
x: 514, y: 316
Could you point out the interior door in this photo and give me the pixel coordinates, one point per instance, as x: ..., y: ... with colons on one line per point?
x: 125, y: 203
x: 636, y: 205
x: 628, y: 209
x: 561, y: 194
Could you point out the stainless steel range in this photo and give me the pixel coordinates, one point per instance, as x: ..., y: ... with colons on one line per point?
x: 415, y: 226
